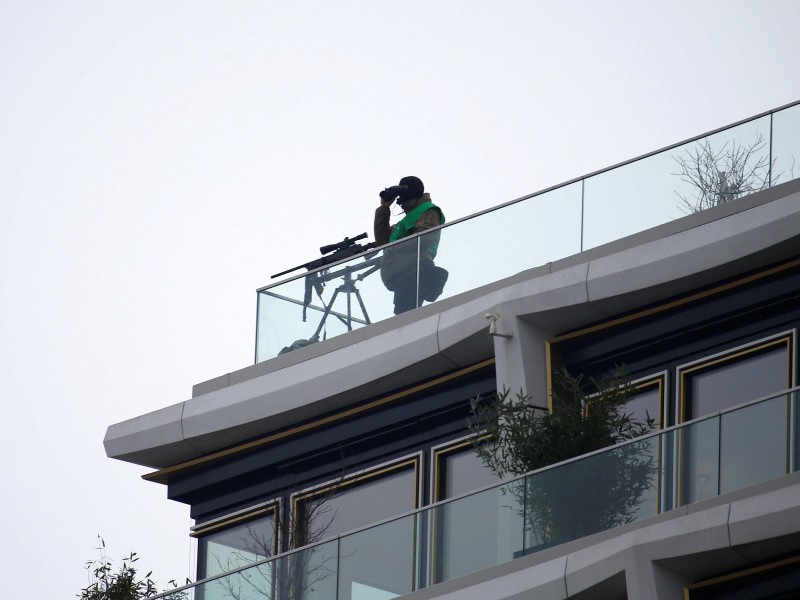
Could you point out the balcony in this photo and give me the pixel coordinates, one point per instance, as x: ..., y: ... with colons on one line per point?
x: 628, y: 483
x: 545, y: 226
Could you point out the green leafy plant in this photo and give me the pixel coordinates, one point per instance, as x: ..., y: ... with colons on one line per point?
x: 593, y: 494
x: 124, y: 584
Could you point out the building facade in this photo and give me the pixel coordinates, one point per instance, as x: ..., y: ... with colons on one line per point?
x: 346, y: 467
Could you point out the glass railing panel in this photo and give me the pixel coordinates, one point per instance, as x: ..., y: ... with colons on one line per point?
x: 321, y: 305
x: 754, y: 444
x: 593, y: 494
x: 308, y: 574
x: 698, y: 465
x: 671, y: 184
x: 786, y: 145
x: 477, y: 531
x: 254, y: 583
x: 509, y: 240
x: 381, y: 562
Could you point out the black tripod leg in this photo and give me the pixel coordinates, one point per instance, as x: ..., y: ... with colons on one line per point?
x: 361, y: 304
x: 326, y: 313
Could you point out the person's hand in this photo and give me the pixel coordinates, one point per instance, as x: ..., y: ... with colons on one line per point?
x: 387, y: 202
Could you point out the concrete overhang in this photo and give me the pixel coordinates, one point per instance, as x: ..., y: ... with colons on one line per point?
x: 659, y: 263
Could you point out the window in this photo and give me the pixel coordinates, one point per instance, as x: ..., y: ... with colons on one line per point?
x: 465, y: 536
x: 718, y: 455
x: 457, y: 469
x: 740, y: 375
x: 357, y: 500
x: 371, y: 563
x: 236, y: 540
x: 647, y: 400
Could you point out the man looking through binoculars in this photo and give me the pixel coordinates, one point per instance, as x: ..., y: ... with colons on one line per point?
x: 399, y: 262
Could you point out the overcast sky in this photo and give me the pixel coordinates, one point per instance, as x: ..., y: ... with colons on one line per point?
x: 159, y: 160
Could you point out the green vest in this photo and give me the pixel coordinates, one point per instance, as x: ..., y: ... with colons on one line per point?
x: 401, y: 229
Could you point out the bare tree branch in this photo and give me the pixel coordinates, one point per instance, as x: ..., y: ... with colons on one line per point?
x: 720, y: 176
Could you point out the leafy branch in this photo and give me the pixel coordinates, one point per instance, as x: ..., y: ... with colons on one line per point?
x: 585, y: 496
x: 125, y: 584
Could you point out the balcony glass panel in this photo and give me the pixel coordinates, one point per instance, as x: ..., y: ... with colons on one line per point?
x: 321, y: 305
x: 308, y: 574
x: 754, y: 444
x: 254, y: 583
x: 509, y: 240
x: 477, y: 531
x: 655, y: 190
x: 699, y: 451
x: 786, y: 144
x: 236, y: 546
x: 592, y: 494
x: 380, y: 562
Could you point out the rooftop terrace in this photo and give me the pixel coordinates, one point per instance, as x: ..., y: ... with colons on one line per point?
x: 578, y: 215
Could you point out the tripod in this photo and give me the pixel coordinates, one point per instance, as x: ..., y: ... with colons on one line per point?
x: 348, y: 287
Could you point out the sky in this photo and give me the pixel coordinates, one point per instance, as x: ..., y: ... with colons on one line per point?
x: 160, y: 160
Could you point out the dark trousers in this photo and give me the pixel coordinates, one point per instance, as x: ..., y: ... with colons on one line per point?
x: 404, y: 284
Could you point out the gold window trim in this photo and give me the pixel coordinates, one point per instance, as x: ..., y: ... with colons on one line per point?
x: 270, y: 508
x: 412, y: 463
x: 659, y: 380
x: 443, y: 451
x: 683, y: 372
x: 273, y: 506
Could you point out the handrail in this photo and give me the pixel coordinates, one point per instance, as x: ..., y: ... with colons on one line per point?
x: 556, y: 186
x: 567, y: 218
